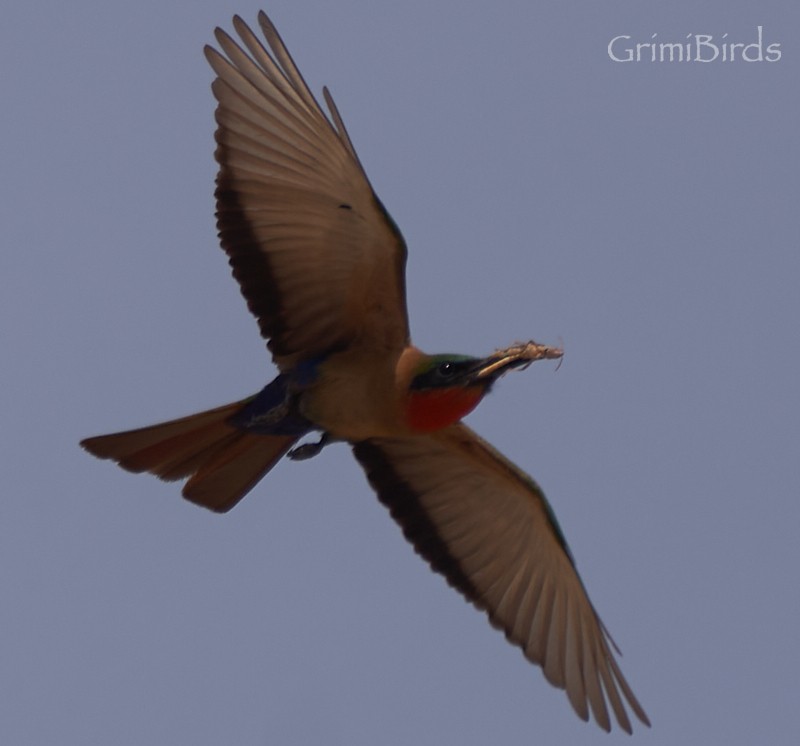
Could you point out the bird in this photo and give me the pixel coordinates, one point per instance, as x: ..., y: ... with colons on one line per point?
x: 321, y: 265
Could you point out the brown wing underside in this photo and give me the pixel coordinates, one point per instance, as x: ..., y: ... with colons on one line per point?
x: 318, y: 259
x: 486, y: 526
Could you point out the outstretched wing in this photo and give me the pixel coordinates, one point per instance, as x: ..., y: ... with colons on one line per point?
x: 487, y: 527
x: 319, y: 260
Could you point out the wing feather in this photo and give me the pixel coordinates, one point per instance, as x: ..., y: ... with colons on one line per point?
x: 319, y: 261
x: 486, y: 526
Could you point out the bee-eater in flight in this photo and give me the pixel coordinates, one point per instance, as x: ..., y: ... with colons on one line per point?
x: 321, y: 265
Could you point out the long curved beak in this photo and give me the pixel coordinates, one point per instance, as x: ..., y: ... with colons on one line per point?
x: 517, y: 356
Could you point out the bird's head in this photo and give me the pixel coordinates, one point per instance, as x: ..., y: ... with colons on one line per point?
x: 444, y: 388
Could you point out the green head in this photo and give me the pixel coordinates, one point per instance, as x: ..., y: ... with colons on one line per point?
x: 443, y: 389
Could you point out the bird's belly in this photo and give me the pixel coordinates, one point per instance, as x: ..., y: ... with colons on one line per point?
x: 354, y: 399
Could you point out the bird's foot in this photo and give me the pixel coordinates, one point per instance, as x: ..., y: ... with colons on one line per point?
x: 309, y: 450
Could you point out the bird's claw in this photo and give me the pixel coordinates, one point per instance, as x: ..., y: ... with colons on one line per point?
x: 309, y: 450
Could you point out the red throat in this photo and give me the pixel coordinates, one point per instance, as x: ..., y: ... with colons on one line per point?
x: 434, y: 409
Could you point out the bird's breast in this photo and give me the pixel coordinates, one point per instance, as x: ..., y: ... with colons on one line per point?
x: 428, y: 411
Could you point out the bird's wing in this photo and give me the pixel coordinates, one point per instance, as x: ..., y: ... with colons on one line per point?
x: 319, y: 260
x: 487, y: 527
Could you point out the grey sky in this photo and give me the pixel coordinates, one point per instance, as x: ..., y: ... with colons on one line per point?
x: 644, y: 215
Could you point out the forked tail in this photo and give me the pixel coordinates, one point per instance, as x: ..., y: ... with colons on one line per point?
x: 223, y: 463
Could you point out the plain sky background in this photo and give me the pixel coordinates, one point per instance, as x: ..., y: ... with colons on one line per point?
x: 645, y: 215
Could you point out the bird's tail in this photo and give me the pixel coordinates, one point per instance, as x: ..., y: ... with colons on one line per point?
x: 223, y: 463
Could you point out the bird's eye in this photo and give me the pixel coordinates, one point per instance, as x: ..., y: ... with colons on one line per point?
x: 445, y: 370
